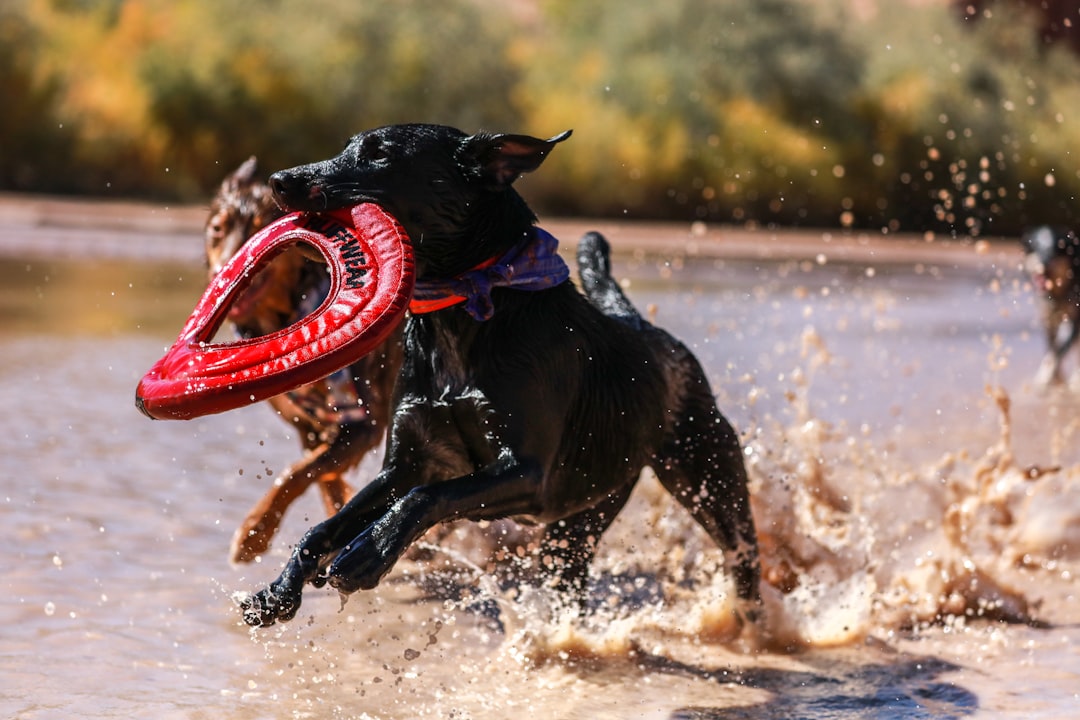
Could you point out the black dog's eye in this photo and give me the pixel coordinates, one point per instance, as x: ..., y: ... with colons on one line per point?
x: 374, y: 150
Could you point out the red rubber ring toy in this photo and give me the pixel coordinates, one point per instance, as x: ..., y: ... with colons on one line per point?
x: 371, y: 281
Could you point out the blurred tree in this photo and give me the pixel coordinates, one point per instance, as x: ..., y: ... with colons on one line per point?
x: 1057, y: 21
x: 31, y: 142
x: 168, y: 96
x: 897, y: 116
x: 970, y: 124
x: 292, y: 81
x: 715, y: 110
x: 101, y: 106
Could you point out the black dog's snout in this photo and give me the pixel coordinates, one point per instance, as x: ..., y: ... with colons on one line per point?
x: 296, y: 191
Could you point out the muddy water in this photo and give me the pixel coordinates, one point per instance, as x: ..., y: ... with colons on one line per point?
x: 914, y: 495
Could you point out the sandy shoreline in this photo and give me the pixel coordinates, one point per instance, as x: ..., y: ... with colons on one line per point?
x: 35, y: 226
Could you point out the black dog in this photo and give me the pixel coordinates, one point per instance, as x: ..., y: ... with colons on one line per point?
x: 1053, y: 259
x: 528, y: 401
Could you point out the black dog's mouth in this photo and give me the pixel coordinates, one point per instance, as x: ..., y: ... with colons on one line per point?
x: 316, y: 199
x: 293, y: 193
x: 320, y: 199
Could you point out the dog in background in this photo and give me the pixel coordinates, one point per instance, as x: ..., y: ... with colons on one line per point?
x: 1052, y: 257
x: 338, y: 419
x: 519, y: 397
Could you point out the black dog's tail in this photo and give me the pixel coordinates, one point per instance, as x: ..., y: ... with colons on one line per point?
x: 594, y: 268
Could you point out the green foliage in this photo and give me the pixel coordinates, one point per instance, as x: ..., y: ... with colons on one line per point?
x: 799, y: 113
x: 28, y: 120
x: 973, y: 124
x: 167, y: 96
x: 907, y: 116
x: 293, y: 83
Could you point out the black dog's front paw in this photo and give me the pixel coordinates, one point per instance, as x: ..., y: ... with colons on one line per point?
x: 361, y: 564
x: 281, y: 600
x: 278, y: 602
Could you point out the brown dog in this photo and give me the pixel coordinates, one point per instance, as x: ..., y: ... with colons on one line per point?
x: 338, y: 419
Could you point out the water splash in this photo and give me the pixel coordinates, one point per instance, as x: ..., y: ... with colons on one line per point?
x: 852, y: 546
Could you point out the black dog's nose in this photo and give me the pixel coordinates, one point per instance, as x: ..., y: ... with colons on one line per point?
x: 279, y: 183
x: 295, y: 191
x: 289, y: 191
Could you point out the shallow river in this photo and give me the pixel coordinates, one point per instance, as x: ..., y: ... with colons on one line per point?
x: 916, y: 497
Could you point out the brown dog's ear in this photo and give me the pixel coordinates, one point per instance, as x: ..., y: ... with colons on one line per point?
x: 245, y: 174
x: 502, y: 158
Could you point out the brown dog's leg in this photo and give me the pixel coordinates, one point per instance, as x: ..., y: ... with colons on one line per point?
x: 335, y: 492
x: 261, y: 523
x: 352, y: 441
x: 325, y: 464
x: 253, y: 536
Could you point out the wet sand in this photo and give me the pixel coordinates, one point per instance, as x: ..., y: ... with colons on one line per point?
x: 906, y: 510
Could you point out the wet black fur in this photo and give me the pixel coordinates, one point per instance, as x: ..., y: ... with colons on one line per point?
x: 546, y: 412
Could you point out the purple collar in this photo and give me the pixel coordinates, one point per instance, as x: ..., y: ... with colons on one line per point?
x: 530, y: 265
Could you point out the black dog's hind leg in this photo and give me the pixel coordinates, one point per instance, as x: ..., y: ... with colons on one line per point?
x: 701, y: 465
x: 571, y: 543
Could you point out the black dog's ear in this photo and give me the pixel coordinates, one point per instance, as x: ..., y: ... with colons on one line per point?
x: 502, y: 158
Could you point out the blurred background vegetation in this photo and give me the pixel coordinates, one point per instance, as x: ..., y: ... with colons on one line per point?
x: 916, y: 115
